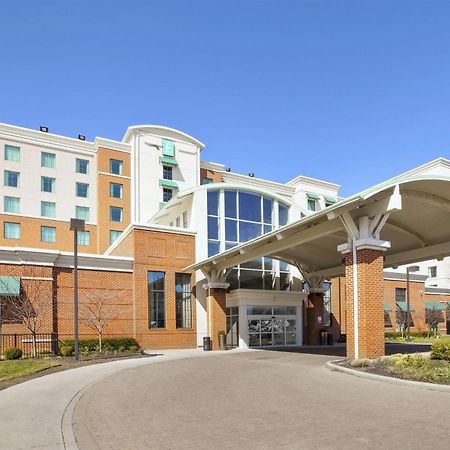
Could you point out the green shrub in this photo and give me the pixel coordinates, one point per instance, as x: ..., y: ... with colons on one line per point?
x: 441, y: 350
x: 13, y: 353
x: 133, y: 348
x: 109, y: 344
x: 66, y: 350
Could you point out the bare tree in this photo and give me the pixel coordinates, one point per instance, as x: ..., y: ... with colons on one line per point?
x: 31, y: 307
x: 432, y: 318
x: 98, y: 309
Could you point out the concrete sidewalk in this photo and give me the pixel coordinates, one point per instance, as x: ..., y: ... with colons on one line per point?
x: 37, y: 414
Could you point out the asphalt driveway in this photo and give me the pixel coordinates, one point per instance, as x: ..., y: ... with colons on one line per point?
x: 256, y: 400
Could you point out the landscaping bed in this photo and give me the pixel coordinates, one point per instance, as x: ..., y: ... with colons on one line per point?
x: 433, y: 368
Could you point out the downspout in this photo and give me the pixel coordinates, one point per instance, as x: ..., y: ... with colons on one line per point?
x: 355, y: 302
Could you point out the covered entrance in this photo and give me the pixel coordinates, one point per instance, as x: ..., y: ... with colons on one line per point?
x: 399, y: 222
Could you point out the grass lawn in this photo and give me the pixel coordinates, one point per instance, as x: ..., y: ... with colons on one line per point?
x: 420, y: 340
x: 9, y: 370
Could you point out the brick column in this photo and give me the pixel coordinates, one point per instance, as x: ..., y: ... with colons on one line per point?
x: 370, y: 303
x: 314, y: 318
x: 217, y: 314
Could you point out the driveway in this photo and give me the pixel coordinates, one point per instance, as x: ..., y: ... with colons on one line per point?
x: 256, y: 400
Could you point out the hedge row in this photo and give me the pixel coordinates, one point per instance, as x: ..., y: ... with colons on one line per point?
x: 108, y: 344
x: 417, y: 334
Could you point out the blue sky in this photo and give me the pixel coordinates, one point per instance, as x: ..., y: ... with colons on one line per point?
x: 352, y: 92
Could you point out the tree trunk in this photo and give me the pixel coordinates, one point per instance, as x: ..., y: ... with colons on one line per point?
x: 100, y: 341
x: 34, y: 351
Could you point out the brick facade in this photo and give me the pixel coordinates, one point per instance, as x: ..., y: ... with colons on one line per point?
x: 314, y: 319
x: 128, y: 292
x: 217, y: 313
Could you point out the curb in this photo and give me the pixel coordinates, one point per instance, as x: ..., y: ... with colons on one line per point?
x: 331, y: 365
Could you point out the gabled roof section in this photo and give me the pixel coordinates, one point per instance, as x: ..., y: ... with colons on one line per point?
x: 163, y: 131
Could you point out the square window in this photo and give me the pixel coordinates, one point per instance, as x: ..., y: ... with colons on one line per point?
x: 167, y: 172
x: 11, y: 205
x: 11, y: 230
x: 12, y: 153
x: 116, y: 167
x: 113, y: 236
x: 167, y: 194
x: 115, y: 214
x: 48, y: 209
x: 206, y: 180
x: 83, y: 238
x: 82, y: 189
x: 48, y: 234
x: 82, y: 213
x: 82, y: 166
x: 48, y: 184
x: 115, y: 190
x: 432, y: 271
x: 48, y: 160
x: 11, y: 178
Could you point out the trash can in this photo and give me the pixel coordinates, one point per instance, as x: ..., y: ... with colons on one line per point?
x: 207, y: 344
x: 323, y: 338
x: 330, y: 339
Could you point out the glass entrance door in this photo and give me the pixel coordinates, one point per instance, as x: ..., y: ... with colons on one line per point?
x: 272, y: 331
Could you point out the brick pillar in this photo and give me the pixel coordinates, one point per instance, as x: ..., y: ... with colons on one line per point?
x: 217, y: 314
x: 314, y: 318
x: 370, y: 303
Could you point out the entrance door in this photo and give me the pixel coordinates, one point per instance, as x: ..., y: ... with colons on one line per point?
x: 272, y: 331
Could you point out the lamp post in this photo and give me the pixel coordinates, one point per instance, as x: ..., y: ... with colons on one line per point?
x: 76, y: 225
x: 408, y: 304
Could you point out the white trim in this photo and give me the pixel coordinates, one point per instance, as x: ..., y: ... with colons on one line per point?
x: 229, y: 177
x: 313, y: 182
x: 26, y: 216
x: 109, y: 144
x: 37, y: 278
x: 114, y: 175
x: 155, y: 130
x: 215, y: 167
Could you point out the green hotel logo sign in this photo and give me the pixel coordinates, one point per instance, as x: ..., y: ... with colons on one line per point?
x: 168, y: 148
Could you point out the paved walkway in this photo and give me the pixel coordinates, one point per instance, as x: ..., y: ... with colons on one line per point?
x: 37, y: 414
x: 257, y: 400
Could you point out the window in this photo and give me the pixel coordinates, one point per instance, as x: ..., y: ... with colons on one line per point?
x: 48, y: 209
x: 116, y: 167
x: 283, y: 212
x: 82, y: 213
x: 167, y: 194
x: 11, y: 178
x: 400, y: 294
x: 11, y: 230
x: 48, y: 160
x: 113, y: 236
x: 156, y: 300
x: 206, y: 180
x: 82, y: 189
x: 178, y: 222
x: 167, y: 173
x: 168, y: 148
x: 115, y: 190
x: 48, y: 234
x: 48, y: 184
x: 115, y: 214
x: 83, y: 238
x: 432, y: 271
x: 327, y: 305
x: 183, y: 300
x: 312, y: 205
x: 185, y: 219
x: 82, y: 166
x: 11, y: 205
x: 12, y: 153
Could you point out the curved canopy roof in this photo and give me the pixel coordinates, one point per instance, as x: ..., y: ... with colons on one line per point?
x: 411, y: 211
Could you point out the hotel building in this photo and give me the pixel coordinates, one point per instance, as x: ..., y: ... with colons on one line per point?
x: 153, y: 207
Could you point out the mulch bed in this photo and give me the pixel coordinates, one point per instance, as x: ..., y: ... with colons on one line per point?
x: 66, y: 363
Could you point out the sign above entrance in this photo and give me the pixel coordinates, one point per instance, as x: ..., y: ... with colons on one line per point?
x: 168, y: 148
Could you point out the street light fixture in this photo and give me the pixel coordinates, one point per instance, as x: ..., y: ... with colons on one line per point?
x: 408, y: 304
x: 76, y: 225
